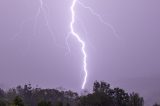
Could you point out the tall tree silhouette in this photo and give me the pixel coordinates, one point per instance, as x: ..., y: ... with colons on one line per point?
x: 18, y: 101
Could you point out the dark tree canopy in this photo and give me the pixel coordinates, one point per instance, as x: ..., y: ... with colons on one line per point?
x: 18, y: 101
x: 102, y: 95
x: 45, y: 103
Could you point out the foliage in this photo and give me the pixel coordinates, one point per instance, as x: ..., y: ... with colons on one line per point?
x: 18, y: 101
x: 102, y: 95
x: 44, y: 103
x: 135, y: 100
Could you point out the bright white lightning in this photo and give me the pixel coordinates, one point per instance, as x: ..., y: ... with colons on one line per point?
x: 99, y: 18
x: 80, y: 41
x: 42, y: 9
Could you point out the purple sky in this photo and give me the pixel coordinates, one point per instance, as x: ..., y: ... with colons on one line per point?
x: 30, y: 53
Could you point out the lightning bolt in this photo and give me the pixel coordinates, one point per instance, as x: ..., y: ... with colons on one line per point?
x: 99, y: 17
x: 76, y: 35
x: 42, y: 9
x: 79, y: 40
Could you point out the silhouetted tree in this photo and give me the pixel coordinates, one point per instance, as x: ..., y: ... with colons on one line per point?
x: 10, y: 95
x: 102, y: 95
x: 18, y: 101
x: 120, y: 97
x: 2, y: 96
x: 135, y: 100
x: 44, y: 103
x: 2, y: 93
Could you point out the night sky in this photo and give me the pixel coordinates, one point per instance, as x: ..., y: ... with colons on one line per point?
x: 33, y: 45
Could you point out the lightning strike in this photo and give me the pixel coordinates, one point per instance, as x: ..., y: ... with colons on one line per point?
x: 42, y: 9
x: 76, y: 35
x: 80, y: 41
x: 94, y: 13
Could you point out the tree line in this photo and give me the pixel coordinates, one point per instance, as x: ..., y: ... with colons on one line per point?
x: 102, y: 95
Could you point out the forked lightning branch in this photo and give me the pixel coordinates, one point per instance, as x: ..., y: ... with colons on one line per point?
x: 72, y: 31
